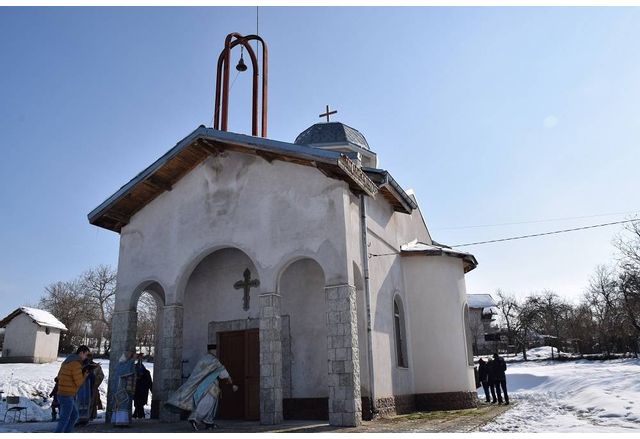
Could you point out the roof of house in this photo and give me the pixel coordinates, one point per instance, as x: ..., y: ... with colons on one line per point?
x: 38, y: 316
x: 481, y: 301
x: 415, y: 247
x: 116, y: 211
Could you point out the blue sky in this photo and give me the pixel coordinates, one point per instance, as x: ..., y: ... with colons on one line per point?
x: 492, y: 115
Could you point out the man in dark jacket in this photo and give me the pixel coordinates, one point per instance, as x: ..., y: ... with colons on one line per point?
x: 143, y: 386
x: 500, y: 366
x: 492, y: 379
x: 483, y: 376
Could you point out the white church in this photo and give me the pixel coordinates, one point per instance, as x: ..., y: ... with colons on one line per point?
x: 307, y: 264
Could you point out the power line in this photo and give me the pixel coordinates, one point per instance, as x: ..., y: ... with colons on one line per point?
x: 535, y: 221
x: 546, y: 233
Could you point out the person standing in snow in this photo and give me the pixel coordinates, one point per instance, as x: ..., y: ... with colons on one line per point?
x: 70, y: 378
x: 483, y: 376
x: 500, y: 367
x: 55, y: 405
x: 125, y: 381
x: 143, y: 385
x: 492, y: 379
x: 96, y: 402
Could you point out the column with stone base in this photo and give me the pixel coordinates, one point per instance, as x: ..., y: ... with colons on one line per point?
x: 345, y: 406
x: 171, y: 352
x: 123, y: 337
x: 270, y: 359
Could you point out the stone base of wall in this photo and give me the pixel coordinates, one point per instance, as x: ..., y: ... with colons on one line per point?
x: 446, y: 401
x: 305, y: 408
x: 39, y: 360
x: 403, y: 404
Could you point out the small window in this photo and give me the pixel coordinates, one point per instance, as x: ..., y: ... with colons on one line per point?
x: 399, y: 329
x: 47, y: 331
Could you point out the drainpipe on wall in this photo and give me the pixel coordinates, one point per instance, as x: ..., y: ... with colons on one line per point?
x: 367, y: 297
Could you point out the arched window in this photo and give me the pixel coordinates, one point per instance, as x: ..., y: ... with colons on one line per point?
x: 468, y: 335
x: 400, y: 333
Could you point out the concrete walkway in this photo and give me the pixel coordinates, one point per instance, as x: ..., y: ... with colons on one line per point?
x: 456, y: 421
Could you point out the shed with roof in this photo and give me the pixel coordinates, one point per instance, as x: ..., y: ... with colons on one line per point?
x: 31, y: 336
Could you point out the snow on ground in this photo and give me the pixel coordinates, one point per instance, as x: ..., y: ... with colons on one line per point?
x: 34, y: 382
x: 571, y: 396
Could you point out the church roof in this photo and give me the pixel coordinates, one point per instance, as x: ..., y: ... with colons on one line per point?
x: 415, y: 248
x: 331, y: 133
x: 391, y: 190
x: 480, y: 301
x: 38, y: 316
x: 160, y: 176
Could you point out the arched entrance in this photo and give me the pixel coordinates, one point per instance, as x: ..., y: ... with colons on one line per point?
x: 304, y: 354
x: 221, y: 307
x: 148, y: 302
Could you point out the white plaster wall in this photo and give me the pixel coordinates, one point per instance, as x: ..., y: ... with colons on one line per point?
x: 387, y: 231
x: 273, y: 211
x: 210, y: 296
x: 302, y: 299
x: 46, y: 345
x: 438, y: 294
x: 20, y: 337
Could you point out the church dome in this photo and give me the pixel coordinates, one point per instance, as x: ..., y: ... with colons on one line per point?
x: 331, y: 133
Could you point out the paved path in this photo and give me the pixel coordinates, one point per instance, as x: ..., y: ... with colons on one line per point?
x: 455, y: 421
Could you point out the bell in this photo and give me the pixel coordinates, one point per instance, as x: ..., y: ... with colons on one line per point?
x: 241, y: 67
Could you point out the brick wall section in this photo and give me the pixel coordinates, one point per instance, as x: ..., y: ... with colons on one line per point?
x: 270, y: 359
x: 123, y: 336
x: 345, y: 405
x: 171, y: 353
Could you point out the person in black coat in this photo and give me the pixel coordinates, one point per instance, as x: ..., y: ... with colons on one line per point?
x: 141, y: 393
x: 483, y: 377
x: 492, y: 379
x: 500, y: 367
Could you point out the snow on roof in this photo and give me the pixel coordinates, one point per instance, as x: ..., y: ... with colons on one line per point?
x: 39, y: 317
x: 480, y: 301
x: 432, y: 249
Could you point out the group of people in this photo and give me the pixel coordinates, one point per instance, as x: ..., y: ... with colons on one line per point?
x: 77, y: 398
x: 491, y: 375
x: 76, y: 392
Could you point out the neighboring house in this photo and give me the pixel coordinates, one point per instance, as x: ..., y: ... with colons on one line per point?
x: 484, y: 329
x: 31, y: 336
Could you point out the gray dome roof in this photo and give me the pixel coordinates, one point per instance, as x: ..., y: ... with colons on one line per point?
x: 331, y: 133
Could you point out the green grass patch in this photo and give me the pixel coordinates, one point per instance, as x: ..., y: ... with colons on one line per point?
x: 444, y: 415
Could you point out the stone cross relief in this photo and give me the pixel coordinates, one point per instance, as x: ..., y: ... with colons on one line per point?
x: 246, y: 284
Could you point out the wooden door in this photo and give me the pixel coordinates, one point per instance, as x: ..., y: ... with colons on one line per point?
x: 252, y: 377
x: 240, y: 353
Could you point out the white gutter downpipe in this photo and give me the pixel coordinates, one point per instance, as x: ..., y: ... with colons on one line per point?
x: 367, y: 296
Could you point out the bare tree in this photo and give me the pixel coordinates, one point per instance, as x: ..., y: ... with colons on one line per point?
x: 65, y: 301
x: 147, y: 312
x: 602, y: 297
x: 98, y: 287
x: 518, y: 319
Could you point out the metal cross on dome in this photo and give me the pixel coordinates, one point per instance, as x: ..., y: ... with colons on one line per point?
x: 246, y: 284
x: 328, y: 113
